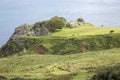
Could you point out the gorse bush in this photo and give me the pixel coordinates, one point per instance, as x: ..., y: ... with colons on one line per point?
x: 111, y: 73
x: 80, y: 20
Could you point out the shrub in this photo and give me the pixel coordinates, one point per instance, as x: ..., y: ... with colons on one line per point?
x: 56, y: 23
x: 80, y: 20
x: 111, y: 73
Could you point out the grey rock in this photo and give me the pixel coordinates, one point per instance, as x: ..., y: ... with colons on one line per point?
x: 41, y: 31
x: 23, y: 30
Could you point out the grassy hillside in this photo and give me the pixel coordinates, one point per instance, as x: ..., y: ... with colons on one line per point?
x: 86, y: 46
x: 67, y: 41
x: 58, y: 67
x: 85, y: 30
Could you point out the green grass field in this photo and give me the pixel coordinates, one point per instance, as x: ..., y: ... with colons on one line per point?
x: 43, y: 67
x: 86, y: 30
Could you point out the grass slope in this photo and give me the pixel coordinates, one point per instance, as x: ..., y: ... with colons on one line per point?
x: 58, y: 67
x: 85, y: 30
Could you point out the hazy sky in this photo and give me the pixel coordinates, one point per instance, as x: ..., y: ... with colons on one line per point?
x: 16, y: 12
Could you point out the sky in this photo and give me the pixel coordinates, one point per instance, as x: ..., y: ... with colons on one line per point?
x: 13, y: 13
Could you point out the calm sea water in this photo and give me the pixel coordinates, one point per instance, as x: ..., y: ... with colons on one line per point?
x: 16, y: 12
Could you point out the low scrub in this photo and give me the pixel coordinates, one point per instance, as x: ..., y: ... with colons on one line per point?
x: 111, y: 73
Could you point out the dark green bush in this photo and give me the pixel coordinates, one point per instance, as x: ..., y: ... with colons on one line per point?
x: 111, y: 73
x: 80, y: 20
x: 55, y: 23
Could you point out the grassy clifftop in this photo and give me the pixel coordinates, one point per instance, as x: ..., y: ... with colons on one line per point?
x: 86, y: 30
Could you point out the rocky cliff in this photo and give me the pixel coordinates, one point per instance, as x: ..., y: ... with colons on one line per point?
x: 22, y: 30
x: 17, y: 41
x: 27, y: 30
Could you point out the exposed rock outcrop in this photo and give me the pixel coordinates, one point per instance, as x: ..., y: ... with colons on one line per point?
x: 23, y: 30
x: 73, y: 24
x: 27, y: 30
x: 41, y: 31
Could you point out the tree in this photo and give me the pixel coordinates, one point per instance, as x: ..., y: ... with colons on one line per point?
x: 80, y: 20
x: 56, y: 23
